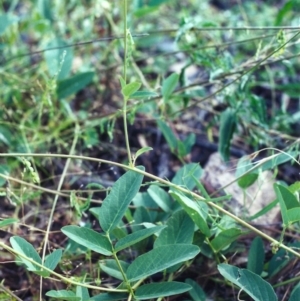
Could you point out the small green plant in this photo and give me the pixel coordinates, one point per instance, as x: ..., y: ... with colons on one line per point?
x: 176, y: 243
x: 148, y: 238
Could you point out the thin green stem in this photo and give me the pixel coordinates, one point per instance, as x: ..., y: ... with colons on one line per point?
x: 127, y: 283
x: 125, y: 40
x: 126, y: 133
x: 138, y: 283
x: 247, y: 28
x: 123, y: 274
x: 64, y: 279
x: 76, y: 134
x: 125, y: 81
x: 289, y: 281
x: 7, y: 291
x: 120, y: 267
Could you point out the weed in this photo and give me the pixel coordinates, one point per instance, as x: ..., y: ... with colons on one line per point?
x: 97, y: 99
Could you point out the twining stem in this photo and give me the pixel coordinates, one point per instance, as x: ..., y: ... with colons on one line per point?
x: 7, y: 291
x: 130, y: 161
x: 59, y: 276
x: 62, y: 178
x: 125, y: 81
x: 125, y: 40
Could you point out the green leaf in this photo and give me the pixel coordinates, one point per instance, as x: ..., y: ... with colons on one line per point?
x: 265, y: 209
x: 59, y: 61
x: 247, y: 180
x: 289, y: 198
x: 180, y: 230
x: 258, y: 108
x: 279, y: 159
x: 227, y: 128
x: 160, y: 197
x: 82, y: 293
x: 295, y: 187
x: 225, y: 238
x: 145, y: 11
x: 168, y: 134
x: 162, y: 289
x: 74, y: 84
x: 256, y: 256
x: 109, y: 297
x: 160, y: 259
x: 6, y: 137
x: 63, y: 295
x: 283, y: 208
x: 135, y: 237
x: 142, y: 151
x: 129, y: 219
x: 283, y: 11
x: 201, y: 188
x: 196, y: 292
x: 144, y: 95
x: 193, y: 210
x: 44, y: 7
x: 169, y: 85
x: 110, y: 267
x: 53, y: 259
x: 150, y: 3
x: 130, y: 88
x: 115, y: 204
x: 6, y: 20
x: 78, y: 204
x: 185, y: 175
x: 295, y: 295
x: 226, y: 222
x: 95, y: 211
x: 142, y: 8
x: 250, y: 283
x: 89, y: 238
x: 122, y: 82
x: 293, y: 215
x: 187, y: 143
x: 140, y: 216
x: 7, y: 222
x: 23, y: 247
x: 144, y: 200
x: 291, y: 89
x: 287, y: 202
x: 90, y: 137
x: 181, y: 149
x: 119, y: 232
